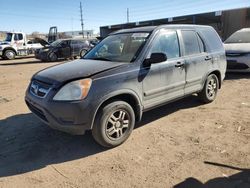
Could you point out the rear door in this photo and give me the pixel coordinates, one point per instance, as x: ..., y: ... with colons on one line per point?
x: 197, y: 60
x: 165, y: 81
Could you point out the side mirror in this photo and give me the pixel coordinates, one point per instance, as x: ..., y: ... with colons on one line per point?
x: 156, y: 58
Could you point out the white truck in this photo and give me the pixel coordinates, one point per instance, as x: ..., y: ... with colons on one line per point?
x: 16, y: 44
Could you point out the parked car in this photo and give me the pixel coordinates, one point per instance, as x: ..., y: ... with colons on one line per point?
x: 238, y: 51
x: 62, y: 49
x: 127, y: 73
x: 35, y: 44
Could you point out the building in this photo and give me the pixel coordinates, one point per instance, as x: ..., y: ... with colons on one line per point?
x: 225, y: 22
x: 75, y: 34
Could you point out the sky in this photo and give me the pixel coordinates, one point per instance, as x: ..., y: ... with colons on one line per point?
x: 39, y: 15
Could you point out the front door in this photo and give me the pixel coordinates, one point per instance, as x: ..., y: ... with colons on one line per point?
x: 64, y: 49
x: 164, y: 81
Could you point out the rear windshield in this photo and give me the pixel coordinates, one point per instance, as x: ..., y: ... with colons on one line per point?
x: 239, y: 37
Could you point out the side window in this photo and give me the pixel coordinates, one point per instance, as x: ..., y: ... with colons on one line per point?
x: 191, y: 43
x: 212, y: 39
x: 166, y: 42
x: 16, y: 37
x: 20, y: 37
x: 73, y: 43
x: 64, y: 43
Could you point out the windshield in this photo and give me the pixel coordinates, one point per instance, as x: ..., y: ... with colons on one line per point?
x: 120, y: 47
x: 56, y: 43
x: 242, y: 36
x: 8, y: 37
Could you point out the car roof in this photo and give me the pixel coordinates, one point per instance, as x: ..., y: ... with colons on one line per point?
x: 167, y: 26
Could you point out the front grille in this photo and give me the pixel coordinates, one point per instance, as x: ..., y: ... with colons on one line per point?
x: 36, y: 111
x: 39, y: 89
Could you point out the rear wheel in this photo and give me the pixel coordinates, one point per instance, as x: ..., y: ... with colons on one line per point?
x: 210, y: 89
x: 113, y: 124
x: 9, y: 54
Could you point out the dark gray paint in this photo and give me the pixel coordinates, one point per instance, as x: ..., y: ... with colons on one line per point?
x: 148, y: 86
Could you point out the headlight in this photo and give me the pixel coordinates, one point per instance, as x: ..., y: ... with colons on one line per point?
x: 76, y: 90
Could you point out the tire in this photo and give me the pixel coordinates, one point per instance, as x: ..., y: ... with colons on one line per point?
x: 114, y: 124
x: 52, y: 56
x: 9, y: 54
x: 83, y: 52
x: 210, y: 89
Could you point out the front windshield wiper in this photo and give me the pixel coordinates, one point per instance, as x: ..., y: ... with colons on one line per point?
x: 100, y: 58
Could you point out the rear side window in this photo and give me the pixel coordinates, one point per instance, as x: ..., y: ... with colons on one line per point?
x: 212, y: 39
x: 191, y: 43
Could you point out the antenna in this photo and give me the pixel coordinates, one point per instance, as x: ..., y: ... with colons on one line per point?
x: 81, y: 19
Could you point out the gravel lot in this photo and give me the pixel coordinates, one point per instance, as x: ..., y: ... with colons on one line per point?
x: 183, y: 144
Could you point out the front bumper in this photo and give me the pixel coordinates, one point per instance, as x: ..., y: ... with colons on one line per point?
x: 1, y: 53
x: 41, y: 55
x: 238, y: 64
x: 71, y: 117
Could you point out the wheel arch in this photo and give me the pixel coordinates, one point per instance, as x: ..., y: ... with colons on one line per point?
x: 217, y: 73
x: 9, y: 48
x: 130, y: 97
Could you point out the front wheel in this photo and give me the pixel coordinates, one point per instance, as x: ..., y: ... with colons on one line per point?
x: 83, y: 52
x: 210, y: 89
x: 52, y: 56
x: 9, y: 54
x: 113, y: 124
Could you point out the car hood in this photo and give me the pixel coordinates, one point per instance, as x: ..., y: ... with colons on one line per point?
x: 237, y: 47
x: 42, y: 42
x: 77, y: 69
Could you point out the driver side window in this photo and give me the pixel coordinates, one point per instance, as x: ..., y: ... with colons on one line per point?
x: 166, y: 42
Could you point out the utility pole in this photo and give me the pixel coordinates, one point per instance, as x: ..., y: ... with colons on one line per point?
x: 127, y: 15
x: 81, y: 19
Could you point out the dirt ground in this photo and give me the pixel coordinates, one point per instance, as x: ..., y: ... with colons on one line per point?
x: 183, y: 144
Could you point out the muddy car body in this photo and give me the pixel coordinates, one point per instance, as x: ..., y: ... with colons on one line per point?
x: 237, y: 48
x: 129, y: 72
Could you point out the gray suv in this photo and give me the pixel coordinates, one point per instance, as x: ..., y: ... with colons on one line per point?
x: 127, y: 73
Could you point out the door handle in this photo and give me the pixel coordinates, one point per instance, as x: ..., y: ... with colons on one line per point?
x: 179, y: 64
x: 207, y: 58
